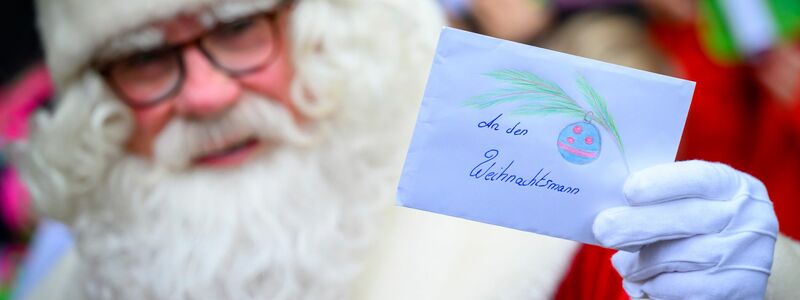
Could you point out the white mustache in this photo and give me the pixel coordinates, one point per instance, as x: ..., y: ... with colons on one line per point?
x: 253, y: 116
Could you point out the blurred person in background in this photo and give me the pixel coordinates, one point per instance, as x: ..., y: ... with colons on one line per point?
x: 515, y: 20
x: 250, y: 149
x: 744, y: 56
x: 611, y: 36
x: 523, y: 21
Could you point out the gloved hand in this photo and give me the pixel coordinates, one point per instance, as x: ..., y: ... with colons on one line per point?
x: 693, y: 230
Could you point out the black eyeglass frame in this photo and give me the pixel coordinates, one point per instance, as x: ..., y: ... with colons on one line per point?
x: 176, y: 52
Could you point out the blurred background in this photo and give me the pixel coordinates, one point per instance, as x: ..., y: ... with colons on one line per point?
x: 743, y: 54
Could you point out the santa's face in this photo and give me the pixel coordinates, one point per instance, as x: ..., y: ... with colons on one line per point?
x: 199, y: 71
x: 222, y: 193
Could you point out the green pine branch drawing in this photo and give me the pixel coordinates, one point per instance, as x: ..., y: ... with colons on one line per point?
x: 540, y: 97
x: 599, y: 107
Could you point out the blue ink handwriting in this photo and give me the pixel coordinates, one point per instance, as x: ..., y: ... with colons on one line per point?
x: 484, y: 170
x: 495, y: 125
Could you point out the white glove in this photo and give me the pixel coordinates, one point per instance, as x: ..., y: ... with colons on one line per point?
x: 693, y: 230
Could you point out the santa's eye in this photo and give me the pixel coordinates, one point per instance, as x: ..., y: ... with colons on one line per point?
x: 233, y: 29
x: 145, y: 59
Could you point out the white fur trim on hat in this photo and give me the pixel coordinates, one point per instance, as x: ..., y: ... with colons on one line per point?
x: 73, y: 30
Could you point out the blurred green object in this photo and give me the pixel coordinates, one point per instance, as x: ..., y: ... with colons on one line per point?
x: 787, y: 17
x: 716, y: 32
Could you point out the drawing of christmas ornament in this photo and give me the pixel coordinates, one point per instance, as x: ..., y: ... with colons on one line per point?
x: 579, y: 142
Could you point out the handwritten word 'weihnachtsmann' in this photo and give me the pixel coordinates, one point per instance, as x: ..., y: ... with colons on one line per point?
x: 486, y: 170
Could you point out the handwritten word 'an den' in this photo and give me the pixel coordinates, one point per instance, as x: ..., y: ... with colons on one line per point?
x: 495, y: 125
x: 486, y: 171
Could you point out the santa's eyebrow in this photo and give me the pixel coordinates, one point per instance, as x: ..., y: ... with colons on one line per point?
x: 136, y: 41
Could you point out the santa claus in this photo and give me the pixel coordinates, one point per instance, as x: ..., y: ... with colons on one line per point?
x: 249, y: 149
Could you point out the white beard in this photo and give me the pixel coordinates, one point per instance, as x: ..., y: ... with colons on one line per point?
x: 288, y: 224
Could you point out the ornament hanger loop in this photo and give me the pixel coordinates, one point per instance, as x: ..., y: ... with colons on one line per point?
x: 588, y: 117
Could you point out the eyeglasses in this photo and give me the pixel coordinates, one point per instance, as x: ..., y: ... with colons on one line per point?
x: 239, y: 47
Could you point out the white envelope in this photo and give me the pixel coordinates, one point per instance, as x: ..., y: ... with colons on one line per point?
x: 533, y: 139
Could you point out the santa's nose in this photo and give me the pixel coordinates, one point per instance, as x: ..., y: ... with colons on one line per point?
x: 206, y: 91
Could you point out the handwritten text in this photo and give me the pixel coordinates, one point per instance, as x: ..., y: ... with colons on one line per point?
x: 486, y: 170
